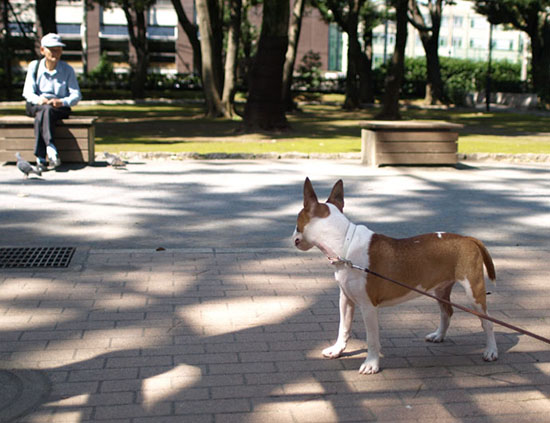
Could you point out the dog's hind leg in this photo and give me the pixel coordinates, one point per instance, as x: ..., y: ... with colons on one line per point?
x: 446, y: 311
x: 476, y: 294
x: 347, y: 309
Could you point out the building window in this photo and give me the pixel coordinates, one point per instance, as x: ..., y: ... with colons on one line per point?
x: 479, y: 23
x: 457, y: 42
x: 114, y: 30
x: 501, y: 44
x: 155, y: 31
x: 442, y: 41
x: 458, y: 21
x: 68, y: 29
x: 378, y: 39
x: 17, y: 31
x: 334, y: 48
x: 478, y: 43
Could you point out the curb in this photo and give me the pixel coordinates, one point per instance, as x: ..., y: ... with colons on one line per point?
x: 477, y: 157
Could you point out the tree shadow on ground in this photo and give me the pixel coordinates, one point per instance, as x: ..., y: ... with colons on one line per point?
x: 137, y: 334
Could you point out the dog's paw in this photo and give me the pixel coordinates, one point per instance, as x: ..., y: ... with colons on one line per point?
x: 335, y: 351
x: 490, y: 354
x: 434, y: 337
x: 369, y: 367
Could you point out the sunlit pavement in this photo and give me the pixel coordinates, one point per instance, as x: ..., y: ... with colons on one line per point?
x: 184, y: 300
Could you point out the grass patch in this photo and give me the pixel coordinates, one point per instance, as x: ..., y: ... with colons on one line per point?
x: 500, y: 144
x: 316, y: 128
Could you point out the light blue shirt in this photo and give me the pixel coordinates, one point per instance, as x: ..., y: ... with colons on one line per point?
x: 60, y: 83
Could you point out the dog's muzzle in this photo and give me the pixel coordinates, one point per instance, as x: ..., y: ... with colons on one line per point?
x: 299, y: 242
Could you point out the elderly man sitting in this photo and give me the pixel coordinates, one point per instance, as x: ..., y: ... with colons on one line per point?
x: 51, y: 89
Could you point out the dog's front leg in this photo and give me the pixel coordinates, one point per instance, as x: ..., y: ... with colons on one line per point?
x: 371, y: 364
x: 344, y: 329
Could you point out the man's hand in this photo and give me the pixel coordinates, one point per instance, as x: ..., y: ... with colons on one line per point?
x: 55, y: 102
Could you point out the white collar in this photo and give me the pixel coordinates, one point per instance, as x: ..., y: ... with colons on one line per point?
x: 349, y: 237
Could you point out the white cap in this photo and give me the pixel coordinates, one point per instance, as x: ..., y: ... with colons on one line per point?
x: 51, y: 40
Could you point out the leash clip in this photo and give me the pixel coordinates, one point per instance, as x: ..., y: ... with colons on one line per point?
x: 339, y: 260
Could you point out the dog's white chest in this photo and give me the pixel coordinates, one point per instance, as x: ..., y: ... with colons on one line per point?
x: 353, y: 283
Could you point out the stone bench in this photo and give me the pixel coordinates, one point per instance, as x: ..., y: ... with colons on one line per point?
x: 409, y: 143
x: 74, y: 138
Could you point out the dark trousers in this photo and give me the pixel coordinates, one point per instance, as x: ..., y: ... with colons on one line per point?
x: 45, y: 117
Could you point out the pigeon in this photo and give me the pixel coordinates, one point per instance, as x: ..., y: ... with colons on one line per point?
x: 114, y: 160
x: 25, y: 167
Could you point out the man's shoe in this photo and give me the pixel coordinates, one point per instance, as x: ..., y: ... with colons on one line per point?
x: 53, y: 156
x: 41, y: 164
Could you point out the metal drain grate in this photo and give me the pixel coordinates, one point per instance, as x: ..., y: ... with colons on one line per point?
x: 43, y: 257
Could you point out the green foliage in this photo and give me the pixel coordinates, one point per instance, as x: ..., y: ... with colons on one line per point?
x: 104, y: 76
x: 180, y: 81
x: 104, y: 68
x: 515, y: 12
x: 309, y: 75
x: 460, y: 76
x: 530, y: 16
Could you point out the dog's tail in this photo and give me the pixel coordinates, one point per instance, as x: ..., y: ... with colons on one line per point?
x: 487, y: 259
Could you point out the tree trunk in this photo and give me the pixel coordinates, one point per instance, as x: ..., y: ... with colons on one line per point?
x: 366, y: 84
x: 358, y: 77
x: 352, y: 99
x: 293, y: 37
x: 394, y: 79
x: 7, y: 49
x: 434, y: 83
x: 246, y: 45
x: 191, y: 30
x: 230, y: 80
x: 45, y: 10
x: 429, y: 35
x: 137, y: 30
x: 265, y: 108
x: 212, y: 73
x: 540, y: 62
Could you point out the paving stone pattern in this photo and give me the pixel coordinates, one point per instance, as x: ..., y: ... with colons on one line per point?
x: 147, y: 336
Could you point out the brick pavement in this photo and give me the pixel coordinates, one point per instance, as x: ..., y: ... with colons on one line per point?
x: 195, y: 334
x: 204, y: 335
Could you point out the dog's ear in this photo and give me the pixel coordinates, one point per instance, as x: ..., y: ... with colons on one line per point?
x: 336, y: 196
x: 310, y: 198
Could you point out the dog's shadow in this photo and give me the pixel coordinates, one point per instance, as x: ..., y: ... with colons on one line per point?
x: 453, y: 346
x: 357, y: 352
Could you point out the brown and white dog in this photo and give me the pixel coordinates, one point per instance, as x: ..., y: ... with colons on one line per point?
x: 432, y: 262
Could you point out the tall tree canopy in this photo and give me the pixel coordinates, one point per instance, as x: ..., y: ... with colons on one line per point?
x: 532, y: 17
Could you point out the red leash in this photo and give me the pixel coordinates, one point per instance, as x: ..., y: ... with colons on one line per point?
x: 348, y: 263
